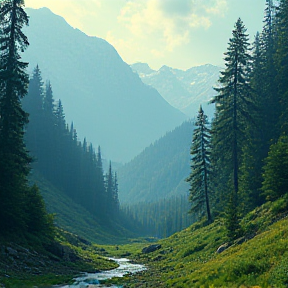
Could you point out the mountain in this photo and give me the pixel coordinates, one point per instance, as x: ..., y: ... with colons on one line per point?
x: 160, y: 170
x: 107, y: 101
x: 185, y: 90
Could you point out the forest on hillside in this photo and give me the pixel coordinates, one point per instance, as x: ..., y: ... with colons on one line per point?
x: 240, y: 160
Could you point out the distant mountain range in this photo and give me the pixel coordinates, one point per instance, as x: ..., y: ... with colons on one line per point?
x: 160, y: 170
x: 185, y: 90
x: 107, y: 101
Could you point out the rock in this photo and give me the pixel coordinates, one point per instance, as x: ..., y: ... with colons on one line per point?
x: 151, y: 248
x: 251, y: 236
x: 11, y: 251
x: 56, y: 249
x: 84, y: 241
x: 240, y: 240
x: 222, y: 248
x: 158, y: 258
x: 69, y: 254
x: 92, y: 281
x: 126, y: 254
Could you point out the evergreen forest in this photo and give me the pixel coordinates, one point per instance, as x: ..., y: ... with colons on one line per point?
x: 234, y: 158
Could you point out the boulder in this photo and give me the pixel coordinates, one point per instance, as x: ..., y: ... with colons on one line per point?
x: 11, y: 251
x: 222, y: 248
x: 240, y: 240
x: 151, y: 248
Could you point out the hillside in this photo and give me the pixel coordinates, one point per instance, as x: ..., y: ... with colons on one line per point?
x: 108, y: 103
x: 183, y: 89
x: 160, y: 170
x: 189, y: 258
x: 72, y: 217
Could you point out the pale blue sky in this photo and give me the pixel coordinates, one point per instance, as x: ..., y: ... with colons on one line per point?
x: 177, y: 33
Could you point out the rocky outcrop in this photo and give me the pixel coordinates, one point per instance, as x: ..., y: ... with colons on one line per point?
x: 238, y: 241
x: 222, y: 247
x: 151, y: 248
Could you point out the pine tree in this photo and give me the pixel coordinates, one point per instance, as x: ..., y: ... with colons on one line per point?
x: 275, y: 174
x: 269, y: 98
x: 14, y: 159
x: 199, y: 177
x: 48, y: 132
x: 60, y: 144
x: 254, y: 148
x: 33, y: 104
x: 233, y: 113
x: 109, y: 189
x: 281, y: 56
x: 48, y: 103
x: 116, y: 203
x: 100, y: 202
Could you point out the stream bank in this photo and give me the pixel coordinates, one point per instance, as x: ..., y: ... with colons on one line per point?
x: 92, y: 280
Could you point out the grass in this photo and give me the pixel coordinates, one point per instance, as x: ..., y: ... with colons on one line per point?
x: 189, y: 259
x: 74, y: 218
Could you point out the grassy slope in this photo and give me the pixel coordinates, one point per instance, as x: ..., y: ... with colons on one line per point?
x: 189, y: 258
x: 74, y: 218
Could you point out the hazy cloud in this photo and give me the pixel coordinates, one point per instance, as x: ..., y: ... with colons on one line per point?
x: 74, y: 10
x: 220, y: 7
x: 171, y: 21
x: 174, y: 8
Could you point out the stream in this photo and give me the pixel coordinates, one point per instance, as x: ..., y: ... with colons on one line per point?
x: 91, y: 280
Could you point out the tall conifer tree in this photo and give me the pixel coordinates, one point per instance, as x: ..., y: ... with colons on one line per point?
x: 14, y: 159
x: 282, y: 62
x: 15, y: 194
x: 233, y: 113
x: 200, y: 167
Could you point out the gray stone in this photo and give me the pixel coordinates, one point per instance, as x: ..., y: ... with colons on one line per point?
x: 11, y: 251
x: 222, y: 248
x: 240, y: 240
x: 151, y: 248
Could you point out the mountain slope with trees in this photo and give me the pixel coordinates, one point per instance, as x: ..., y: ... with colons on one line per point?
x: 100, y: 92
x: 160, y: 170
x: 73, y: 168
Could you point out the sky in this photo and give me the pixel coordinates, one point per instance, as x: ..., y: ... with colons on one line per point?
x: 177, y: 33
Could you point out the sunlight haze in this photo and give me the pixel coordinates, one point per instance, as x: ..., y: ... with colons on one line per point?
x: 180, y: 34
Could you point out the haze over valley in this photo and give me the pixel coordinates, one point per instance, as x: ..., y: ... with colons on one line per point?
x: 143, y: 143
x: 100, y: 93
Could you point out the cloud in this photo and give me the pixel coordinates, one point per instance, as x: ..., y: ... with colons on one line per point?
x: 169, y: 21
x: 172, y: 7
x: 220, y: 7
x: 157, y: 54
x: 74, y: 11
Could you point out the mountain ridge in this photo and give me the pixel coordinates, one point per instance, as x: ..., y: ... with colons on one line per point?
x: 185, y: 90
x: 104, y: 98
x: 160, y: 170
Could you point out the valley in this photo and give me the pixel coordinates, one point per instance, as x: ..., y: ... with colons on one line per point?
x: 122, y: 175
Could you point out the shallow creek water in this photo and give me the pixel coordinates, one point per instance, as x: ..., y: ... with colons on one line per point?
x: 91, y: 280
